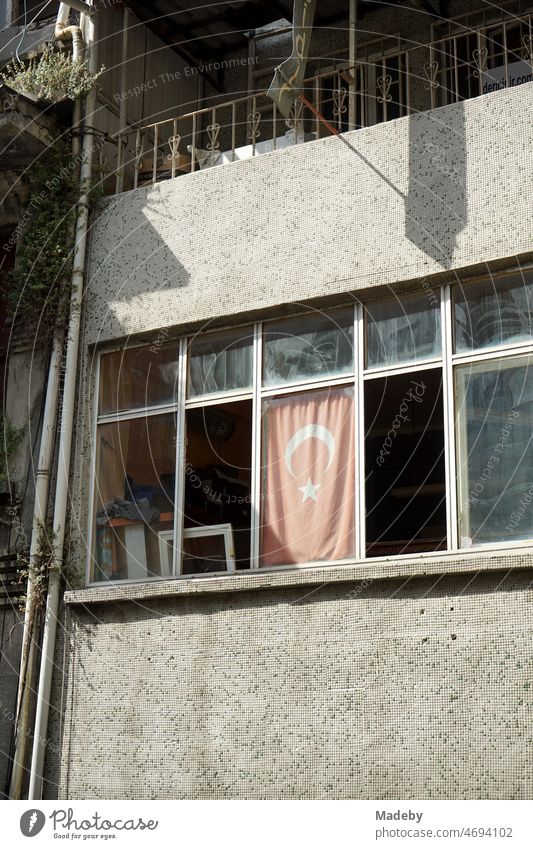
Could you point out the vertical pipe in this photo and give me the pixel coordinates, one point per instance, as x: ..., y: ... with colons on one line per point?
x: 123, y: 118
x: 65, y: 433
x: 40, y: 509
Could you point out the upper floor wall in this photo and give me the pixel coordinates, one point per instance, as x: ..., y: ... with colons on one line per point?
x: 424, y: 194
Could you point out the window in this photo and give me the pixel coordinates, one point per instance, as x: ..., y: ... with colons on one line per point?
x: 399, y: 427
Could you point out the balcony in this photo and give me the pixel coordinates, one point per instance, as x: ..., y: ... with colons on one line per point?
x: 391, y: 80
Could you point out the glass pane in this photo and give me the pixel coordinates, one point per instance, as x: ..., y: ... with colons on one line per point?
x: 495, y: 456
x: 493, y: 312
x: 138, y: 377
x: 405, y: 471
x: 399, y: 331
x: 134, y: 498
x: 310, y: 346
x: 204, y: 554
x: 218, y: 481
x: 308, y: 477
x: 220, y: 362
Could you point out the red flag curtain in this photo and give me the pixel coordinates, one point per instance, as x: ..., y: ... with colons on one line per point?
x: 309, y: 478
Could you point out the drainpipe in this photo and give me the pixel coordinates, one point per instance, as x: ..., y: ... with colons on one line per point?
x: 65, y: 434
x: 63, y: 32
x: 42, y: 482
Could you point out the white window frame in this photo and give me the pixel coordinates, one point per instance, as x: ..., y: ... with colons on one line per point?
x: 448, y: 361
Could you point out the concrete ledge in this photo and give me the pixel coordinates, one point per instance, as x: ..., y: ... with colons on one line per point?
x: 357, y: 571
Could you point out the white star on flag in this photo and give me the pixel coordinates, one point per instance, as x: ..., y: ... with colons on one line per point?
x: 309, y: 491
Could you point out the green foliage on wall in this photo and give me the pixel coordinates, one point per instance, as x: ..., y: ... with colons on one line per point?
x: 38, y: 287
x: 10, y: 437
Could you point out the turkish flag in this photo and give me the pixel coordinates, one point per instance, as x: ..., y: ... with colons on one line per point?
x: 309, y: 478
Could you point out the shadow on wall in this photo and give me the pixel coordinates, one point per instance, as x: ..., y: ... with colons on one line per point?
x: 153, y: 267
x: 436, y: 205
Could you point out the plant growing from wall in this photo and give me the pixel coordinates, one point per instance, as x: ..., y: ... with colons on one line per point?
x: 11, y: 437
x: 52, y: 76
x: 40, y: 569
x: 38, y: 287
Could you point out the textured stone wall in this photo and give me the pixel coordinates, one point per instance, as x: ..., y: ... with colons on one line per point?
x: 417, y: 688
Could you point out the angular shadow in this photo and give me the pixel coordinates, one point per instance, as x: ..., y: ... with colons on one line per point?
x: 436, y: 209
x: 131, y: 249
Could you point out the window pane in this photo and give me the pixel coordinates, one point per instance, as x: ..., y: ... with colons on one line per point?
x: 218, y: 480
x: 493, y: 312
x: 405, y: 471
x: 308, y: 477
x: 495, y: 456
x: 134, y: 497
x: 220, y: 362
x: 138, y: 377
x: 399, y: 331
x: 310, y: 346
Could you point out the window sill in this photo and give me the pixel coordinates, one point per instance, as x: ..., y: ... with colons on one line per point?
x: 453, y: 562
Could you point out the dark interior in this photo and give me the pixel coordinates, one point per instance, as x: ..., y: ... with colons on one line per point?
x: 404, y: 456
x: 218, y: 483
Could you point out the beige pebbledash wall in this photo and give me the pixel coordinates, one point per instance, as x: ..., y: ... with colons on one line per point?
x: 323, y: 684
x: 412, y: 689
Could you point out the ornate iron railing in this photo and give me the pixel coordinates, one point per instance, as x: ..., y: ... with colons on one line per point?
x: 402, y: 81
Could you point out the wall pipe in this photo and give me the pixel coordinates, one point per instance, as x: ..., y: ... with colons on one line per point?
x: 65, y: 431
x: 42, y: 483
x: 63, y: 32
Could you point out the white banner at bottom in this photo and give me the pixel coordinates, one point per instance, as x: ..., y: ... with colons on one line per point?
x: 268, y: 824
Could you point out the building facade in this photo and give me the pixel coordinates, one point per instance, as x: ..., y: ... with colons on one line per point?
x: 299, y: 559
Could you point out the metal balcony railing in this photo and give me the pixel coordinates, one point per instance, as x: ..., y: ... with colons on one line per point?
x: 396, y: 83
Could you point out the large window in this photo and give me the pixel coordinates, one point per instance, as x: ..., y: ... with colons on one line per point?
x: 397, y: 427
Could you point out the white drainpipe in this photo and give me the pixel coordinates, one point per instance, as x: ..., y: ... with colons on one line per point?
x: 65, y: 438
x: 42, y: 476
x: 42, y: 482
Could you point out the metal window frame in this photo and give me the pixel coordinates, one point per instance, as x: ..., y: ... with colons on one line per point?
x: 448, y: 361
x: 461, y: 439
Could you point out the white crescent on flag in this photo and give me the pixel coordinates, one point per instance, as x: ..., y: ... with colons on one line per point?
x: 310, y: 431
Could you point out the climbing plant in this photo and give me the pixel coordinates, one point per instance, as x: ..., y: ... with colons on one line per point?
x: 39, y: 570
x: 52, y: 76
x: 10, y: 439
x: 39, y: 285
